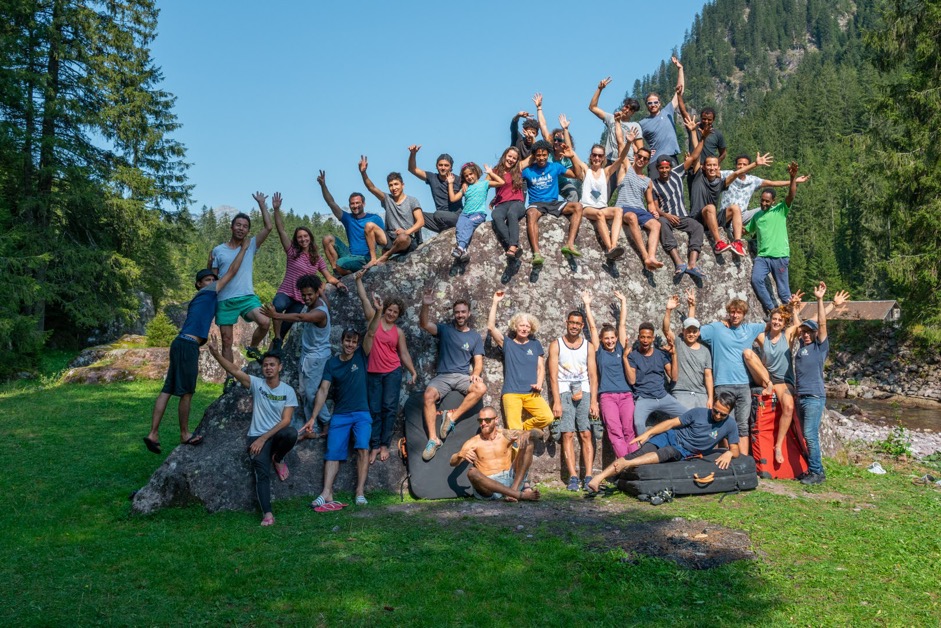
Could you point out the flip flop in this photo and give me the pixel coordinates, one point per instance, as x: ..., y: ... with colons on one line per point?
x: 330, y: 507
x: 152, y: 445
x: 193, y: 440
x: 282, y: 474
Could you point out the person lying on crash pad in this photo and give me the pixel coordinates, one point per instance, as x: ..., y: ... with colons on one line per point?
x: 697, y: 431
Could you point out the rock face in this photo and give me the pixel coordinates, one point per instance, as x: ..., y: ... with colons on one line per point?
x: 217, y: 474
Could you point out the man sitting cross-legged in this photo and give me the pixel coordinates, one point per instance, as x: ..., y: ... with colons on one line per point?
x: 494, y: 474
x: 458, y: 346
x: 697, y: 431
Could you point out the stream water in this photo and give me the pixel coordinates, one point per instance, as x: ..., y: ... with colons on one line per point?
x: 890, y: 412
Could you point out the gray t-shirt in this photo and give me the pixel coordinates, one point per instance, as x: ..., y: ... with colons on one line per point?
x: 316, y: 340
x: 632, y: 190
x: 241, y: 284
x: 268, y: 404
x: 740, y: 192
x: 660, y: 132
x: 400, y: 215
x: 692, y: 364
x: 611, y: 140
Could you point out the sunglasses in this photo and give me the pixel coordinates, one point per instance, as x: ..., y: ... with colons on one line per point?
x: 558, y: 140
x: 653, y: 102
x: 641, y: 158
x: 599, y: 155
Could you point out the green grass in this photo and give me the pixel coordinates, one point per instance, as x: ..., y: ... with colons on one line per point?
x: 862, y: 549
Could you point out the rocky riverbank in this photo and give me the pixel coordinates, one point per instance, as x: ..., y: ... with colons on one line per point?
x: 853, y: 427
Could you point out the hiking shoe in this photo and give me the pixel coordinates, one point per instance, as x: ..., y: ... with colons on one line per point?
x: 615, y: 253
x: 813, y: 478
x: 276, y: 344
x: 458, y: 252
x: 571, y: 250
x: 430, y: 450
x: 695, y: 272
x: 447, y: 426
x: 585, y: 482
x: 738, y: 247
x: 253, y: 353
x: 721, y: 247
x: 538, y: 259
x: 573, y: 483
x: 679, y: 271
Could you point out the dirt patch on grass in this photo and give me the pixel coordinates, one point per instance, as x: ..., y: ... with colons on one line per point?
x: 602, y: 525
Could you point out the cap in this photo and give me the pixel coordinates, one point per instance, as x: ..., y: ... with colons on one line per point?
x: 810, y: 324
x: 206, y: 272
x: 691, y: 322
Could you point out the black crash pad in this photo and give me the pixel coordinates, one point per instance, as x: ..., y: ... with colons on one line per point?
x: 678, y: 477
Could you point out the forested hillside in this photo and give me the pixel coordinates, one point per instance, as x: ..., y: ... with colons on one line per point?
x: 850, y: 90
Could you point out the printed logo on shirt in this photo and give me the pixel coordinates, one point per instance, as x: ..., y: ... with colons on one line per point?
x: 466, y: 346
x: 272, y: 396
x: 354, y: 368
x: 529, y: 352
x: 804, y: 353
x: 714, y: 434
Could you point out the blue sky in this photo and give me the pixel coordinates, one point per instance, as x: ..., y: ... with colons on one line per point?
x: 270, y: 92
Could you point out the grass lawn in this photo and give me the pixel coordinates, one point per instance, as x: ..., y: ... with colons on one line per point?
x: 862, y: 549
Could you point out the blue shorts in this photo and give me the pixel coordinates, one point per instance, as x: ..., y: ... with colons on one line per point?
x: 643, y: 216
x: 338, y: 436
x: 668, y: 439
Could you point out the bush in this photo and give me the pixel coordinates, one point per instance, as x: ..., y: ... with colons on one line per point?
x: 897, y: 443
x: 160, y: 331
x: 265, y: 291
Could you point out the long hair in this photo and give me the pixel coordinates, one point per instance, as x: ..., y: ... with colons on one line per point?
x: 516, y: 177
x: 312, y: 254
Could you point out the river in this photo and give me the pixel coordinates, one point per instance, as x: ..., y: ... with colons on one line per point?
x: 912, y: 417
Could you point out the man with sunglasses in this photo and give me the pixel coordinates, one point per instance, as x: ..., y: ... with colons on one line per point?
x: 495, y: 473
x: 622, y: 118
x: 659, y: 128
x: 696, y: 432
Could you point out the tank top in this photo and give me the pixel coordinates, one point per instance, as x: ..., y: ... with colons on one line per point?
x: 384, y: 357
x: 573, y: 365
x: 611, y: 378
x: 316, y: 340
x: 777, y: 359
x: 595, y: 190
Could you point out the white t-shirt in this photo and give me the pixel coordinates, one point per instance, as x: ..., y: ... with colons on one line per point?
x: 268, y: 404
x: 740, y: 192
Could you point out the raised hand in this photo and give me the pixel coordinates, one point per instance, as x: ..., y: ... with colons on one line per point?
x: 567, y: 151
x: 213, y: 344
x: 276, y: 201
x: 322, y: 178
x: 586, y: 298
x: 563, y: 121
x: 840, y: 298
x: 604, y: 82
x: 792, y: 169
x: 631, y: 136
x: 523, y: 114
x: 690, y: 295
x: 764, y: 160
x: 680, y: 88
x: 499, y: 295
x: 450, y: 177
x: 621, y: 296
x: 260, y: 198
x: 537, y: 99
x: 414, y: 148
x: 689, y: 123
x: 676, y: 62
x: 796, y: 299
x: 358, y: 275
x: 428, y: 297
x: 673, y: 302
x: 820, y: 290
x: 804, y: 178
x: 377, y: 302
x: 363, y: 163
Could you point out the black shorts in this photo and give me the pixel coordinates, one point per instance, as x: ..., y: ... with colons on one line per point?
x: 553, y: 209
x: 390, y: 240
x: 184, y: 367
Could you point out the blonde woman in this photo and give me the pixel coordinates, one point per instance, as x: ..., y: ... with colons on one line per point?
x: 524, y: 369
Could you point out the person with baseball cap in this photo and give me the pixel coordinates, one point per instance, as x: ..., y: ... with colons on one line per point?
x: 184, y: 352
x: 693, y: 386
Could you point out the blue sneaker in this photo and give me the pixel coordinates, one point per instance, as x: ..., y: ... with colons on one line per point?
x: 447, y: 426
x: 573, y: 483
x: 430, y: 450
x: 585, y: 483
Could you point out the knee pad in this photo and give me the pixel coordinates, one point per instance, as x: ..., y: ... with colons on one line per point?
x: 668, y: 454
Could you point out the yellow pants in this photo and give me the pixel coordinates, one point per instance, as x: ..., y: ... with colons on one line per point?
x: 514, y: 404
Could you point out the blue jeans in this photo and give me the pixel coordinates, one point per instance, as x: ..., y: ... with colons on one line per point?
x: 466, y: 226
x: 383, y: 391
x: 811, y: 412
x: 778, y: 268
x: 284, y: 303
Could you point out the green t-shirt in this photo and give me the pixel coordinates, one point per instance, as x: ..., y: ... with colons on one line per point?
x: 771, y: 227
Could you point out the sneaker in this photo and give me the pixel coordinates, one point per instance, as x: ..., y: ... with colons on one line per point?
x: 573, y: 483
x: 447, y: 426
x: 538, y: 259
x: 571, y: 250
x: 695, y: 272
x: 813, y: 478
x: 585, y: 482
x: 253, y: 353
x: 458, y: 252
x: 738, y: 247
x: 430, y: 450
x: 276, y: 344
x: 721, y: 247
x: 679, y: 271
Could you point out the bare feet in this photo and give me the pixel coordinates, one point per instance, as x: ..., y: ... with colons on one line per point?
x: 383, y: 453
x: 653, y: 263
x: 778, y: 456
x: 526, y: 495
x: 595, y: 485
x: 268, y: 520
x: 373, y: 454
x: 283, y: 473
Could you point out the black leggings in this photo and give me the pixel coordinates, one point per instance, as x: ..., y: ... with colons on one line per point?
x: 506, y: 222
x: 274, y: 450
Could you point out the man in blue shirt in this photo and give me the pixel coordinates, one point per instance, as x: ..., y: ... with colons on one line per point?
x: 695, y: 432
x: 659, y: 129
x: 345, y: 259
x: 542, y: 181
x: 813, y: 348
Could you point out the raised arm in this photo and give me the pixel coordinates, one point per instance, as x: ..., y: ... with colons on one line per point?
x: 368, y: 311
x: 328, y: 197
x: 240, y: 376
x: 593, y: 105
x: 672, y: 303
x: 622, y: 319
x: 370, y: 337
x: 680, y: 79
x: 679, y: 103
x: 796, y: 304
x: 564, y: 123
x: 671, y: 369
x: 495, y: 333
x: 595, y: 340
x: 279, y: 222
x: 578, y: 169
x: 455, y: 196
x: 493, y: 179
x: 412, y: 163
x: 792, y: 189
x: 630, y: 373
x: 363, y: 165
x: 424, y: 321
x: 760, y: 160
x: 543, y: 127
x: 514, y: 127
x: 690, y: 295
x: 234, y: 266
x: 691, y: 162
x: 820, y: 291
x: 262, y: 235
x: 624, y: 147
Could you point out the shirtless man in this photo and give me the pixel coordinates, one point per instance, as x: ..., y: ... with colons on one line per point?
x: 494, y: 474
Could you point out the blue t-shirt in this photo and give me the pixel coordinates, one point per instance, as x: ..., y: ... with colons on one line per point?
x: 808, y: 365
x: 543, y: 183
x: 660, y: 132
x: 356, y: 231
x: 240, y: 285
x: 649, y: 383
x: 520, y: 364
x: 456, y: 349
x: 699, y: 434
x: 611, y: 378
x: 475, y: 198
x: 200, y: 312
x: 727, y: 344
x: 348, y: 379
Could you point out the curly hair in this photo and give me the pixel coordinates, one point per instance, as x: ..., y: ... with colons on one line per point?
x: 516, y: 177
x: 785, y: 313
x: 399, y: 303
x: 523, y: 316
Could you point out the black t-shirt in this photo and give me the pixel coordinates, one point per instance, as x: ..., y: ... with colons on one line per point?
x: 439, y: 192
x: 703, y: 192
x: 714, y: 145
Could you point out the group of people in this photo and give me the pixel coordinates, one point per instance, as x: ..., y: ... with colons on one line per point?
x: 701, y: 381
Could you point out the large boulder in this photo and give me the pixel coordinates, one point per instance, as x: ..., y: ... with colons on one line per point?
x: 217, y: 474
